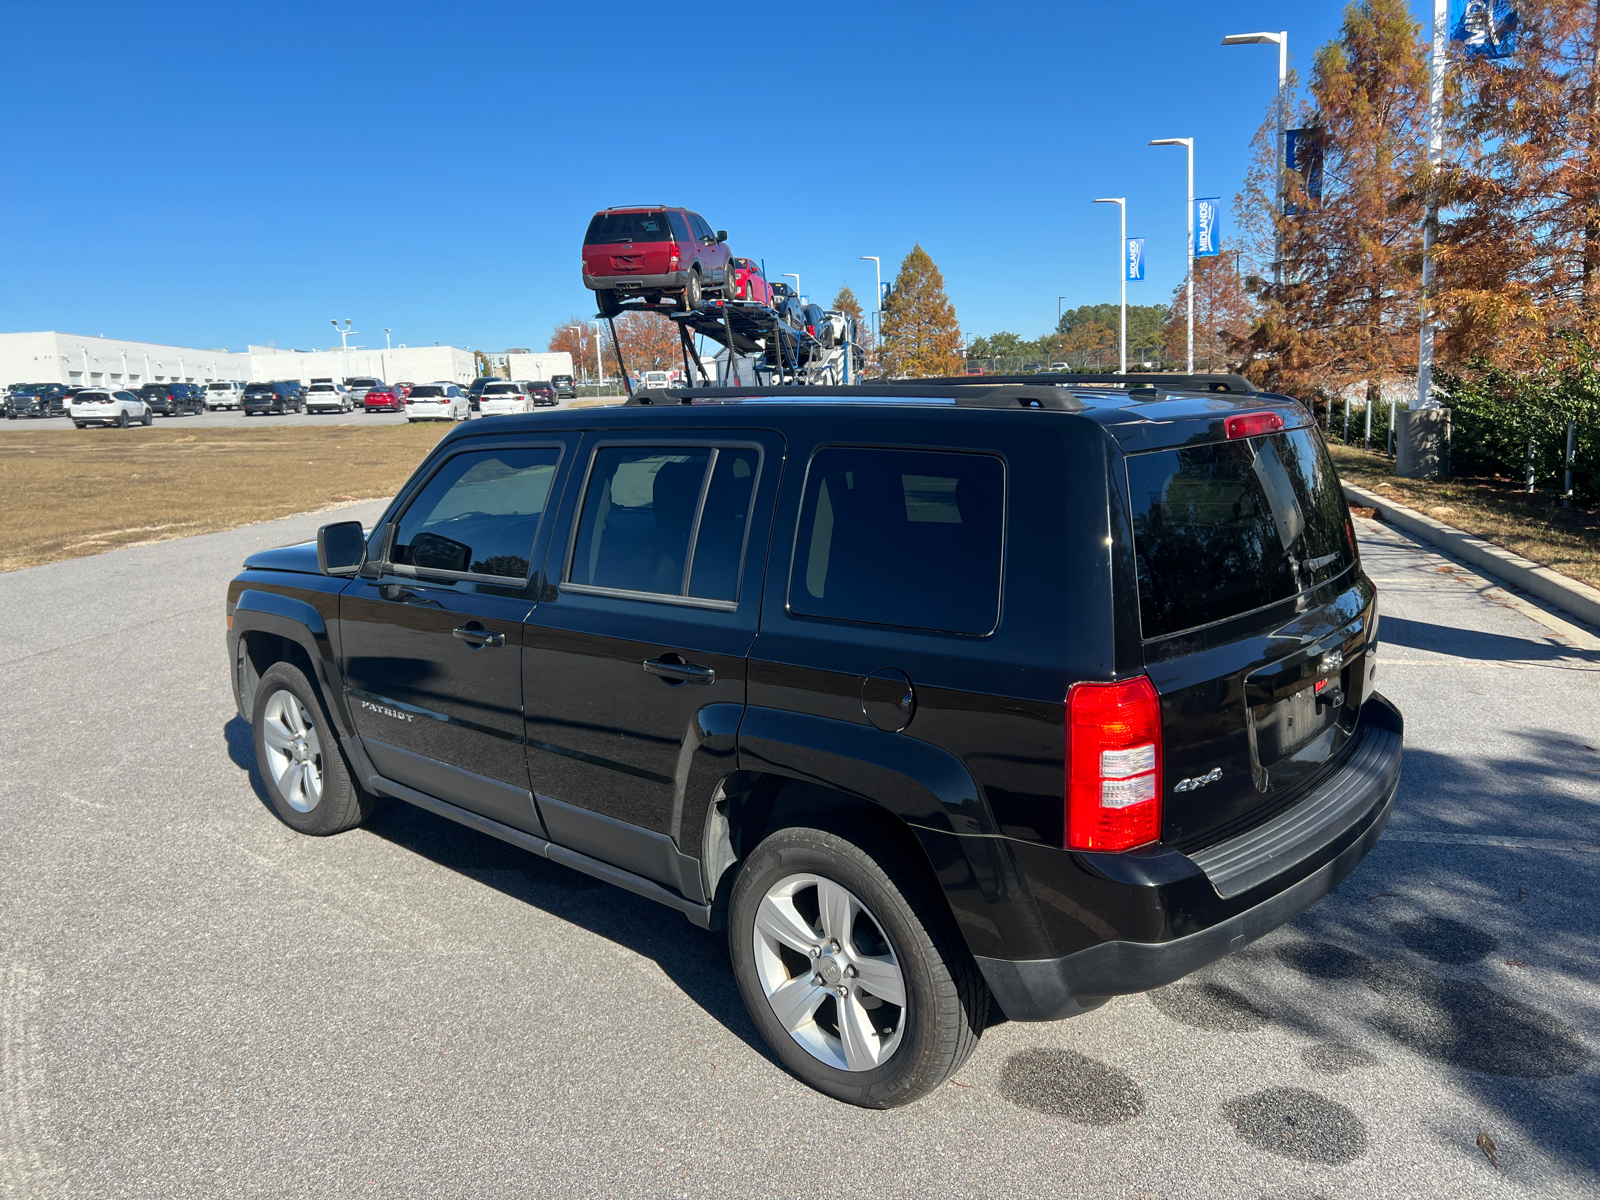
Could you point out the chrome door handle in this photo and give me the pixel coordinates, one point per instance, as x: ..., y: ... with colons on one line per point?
x: 480, y: 635
x: 680, y: 672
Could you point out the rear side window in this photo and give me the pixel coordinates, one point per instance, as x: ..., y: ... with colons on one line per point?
x: 1229, y: 527
x: 609, y: 228
x: 478, y: 515
x: 666, y: 520
x: 913, y: 538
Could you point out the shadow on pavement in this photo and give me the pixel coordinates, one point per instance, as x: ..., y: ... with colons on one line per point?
x: 1474, y: 644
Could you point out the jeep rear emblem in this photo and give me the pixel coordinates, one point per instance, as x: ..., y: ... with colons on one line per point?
x: 1199, y: 781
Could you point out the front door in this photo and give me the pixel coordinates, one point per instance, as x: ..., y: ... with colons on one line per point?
x: 432, y: 644
x: 636, y: 662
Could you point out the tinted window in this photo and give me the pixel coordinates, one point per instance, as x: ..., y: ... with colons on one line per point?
x: 724, y: 518
x: 1225, y: 528
x: 479, y: 513
x: 426, y: 393
x: 258, y: 389
x: 680, y: 227
x: 609, y: 228
x: 502, y: 389
x: 901, y: 537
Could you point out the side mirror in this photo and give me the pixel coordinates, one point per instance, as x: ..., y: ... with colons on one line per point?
x: 341, y: 548
x: 722, y: 236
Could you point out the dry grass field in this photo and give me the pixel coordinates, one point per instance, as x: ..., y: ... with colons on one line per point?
x: 72, y: 493
x: 1496, y: 510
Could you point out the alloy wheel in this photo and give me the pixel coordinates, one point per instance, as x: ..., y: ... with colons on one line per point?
x: 294, y: 752
x: 829, y: 972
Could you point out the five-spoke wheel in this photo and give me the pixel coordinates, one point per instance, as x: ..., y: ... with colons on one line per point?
x: 294, y: 752
x: 298, y: 752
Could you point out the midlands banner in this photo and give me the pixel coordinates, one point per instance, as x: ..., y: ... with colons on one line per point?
x: 1133, y: 260
x: 1207, y: 226
x: 1485, y: 28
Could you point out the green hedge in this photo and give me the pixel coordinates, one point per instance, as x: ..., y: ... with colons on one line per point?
x: 1494, y: 414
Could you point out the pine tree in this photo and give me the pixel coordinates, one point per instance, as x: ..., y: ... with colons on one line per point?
x: 921, y: 336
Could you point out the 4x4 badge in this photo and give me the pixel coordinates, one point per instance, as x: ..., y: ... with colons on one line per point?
x: 1199, y: 781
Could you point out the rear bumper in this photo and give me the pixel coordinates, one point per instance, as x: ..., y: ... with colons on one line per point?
x: 1222, y: 918
x: 637, y: 283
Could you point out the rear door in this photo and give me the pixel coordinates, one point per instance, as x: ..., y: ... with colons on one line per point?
x: 1256, y: 619
x: 432, y: 644
x: 641, y: 648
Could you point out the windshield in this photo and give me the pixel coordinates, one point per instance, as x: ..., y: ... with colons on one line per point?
x: 1229, y: 527
x: 426, y: 393
x: 609, y: 228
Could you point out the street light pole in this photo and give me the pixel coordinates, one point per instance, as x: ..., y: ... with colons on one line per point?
x: 599, y: 373
x: 796, y: 278
x: 1189, y: 276
x: 344, y: 340
x: 1430, y: 222
x: 386, y: 344
x: 1122, y: 270
x: 877, y: 293
x: 1281, y: 41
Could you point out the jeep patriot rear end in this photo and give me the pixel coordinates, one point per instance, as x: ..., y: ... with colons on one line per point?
x: 926, y: 692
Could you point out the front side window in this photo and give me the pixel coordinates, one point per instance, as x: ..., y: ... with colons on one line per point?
x: 666, y: 520
x: 912, y: 538
x: 479, y: 514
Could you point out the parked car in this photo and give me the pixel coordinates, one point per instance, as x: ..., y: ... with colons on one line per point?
x: 404, y: 389
x: 748, y: 281
x: 328, y: 397
x: 653, y: 252
x: 383, y: 399
x: 280, y: 397
x: 1060, y: 366
x: 475, y: 388
x: 564, y: 386
x: 224, y: 393
x: 104, y: 406
x: 502, y: 397
x: 801, y: 674
x: 542, y: 394
x: 174, y: 399
x: 656, y: 379
x: 35, y: 400
x: 360, y: 385
x: 431, y: 402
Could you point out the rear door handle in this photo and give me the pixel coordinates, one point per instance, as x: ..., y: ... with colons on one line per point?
x: 681, y: 672
x: 479, y: 635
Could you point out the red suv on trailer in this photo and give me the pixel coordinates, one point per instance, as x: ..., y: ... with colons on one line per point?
x: 652, y: 251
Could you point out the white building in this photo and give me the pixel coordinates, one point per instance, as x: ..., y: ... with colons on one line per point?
x: 82, y: 360
x: 78, y: 359
x: 523, y: 365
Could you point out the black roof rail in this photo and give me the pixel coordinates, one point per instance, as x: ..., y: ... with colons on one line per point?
x: 1234, y: 385
x: 1005, y: 395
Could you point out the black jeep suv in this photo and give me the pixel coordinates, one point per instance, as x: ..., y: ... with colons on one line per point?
x: 174, y: 399
x: 926, y: 693
x: 281, y: 396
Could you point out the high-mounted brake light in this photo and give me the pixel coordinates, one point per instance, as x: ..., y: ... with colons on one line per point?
x: 1253, y: 424
x: 1113, y: 796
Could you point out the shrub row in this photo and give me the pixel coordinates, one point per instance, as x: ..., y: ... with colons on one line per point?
x: 1494, y: 414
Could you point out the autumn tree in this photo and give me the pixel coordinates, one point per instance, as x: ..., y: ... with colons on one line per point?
x: 846, y: 302
x: 1519, y: 247
x: 575, y: 336
x: 649, y: 342
x: 921, y: 336
x: 1222, y: 314
x: 1347, y: 309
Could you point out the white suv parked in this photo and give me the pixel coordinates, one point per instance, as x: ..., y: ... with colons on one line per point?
x: 327, y: 397
x: 95, y: 406
x: 224, y: 393
x: 498, y: 399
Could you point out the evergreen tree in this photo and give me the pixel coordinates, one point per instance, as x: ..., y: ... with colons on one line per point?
x: 846, y: 302
x: 921, y: 336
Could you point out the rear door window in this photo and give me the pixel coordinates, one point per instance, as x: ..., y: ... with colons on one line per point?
x: 912, y: 538
x: 478, y: 515
x: 666, y: 521
x: 1226, y: 528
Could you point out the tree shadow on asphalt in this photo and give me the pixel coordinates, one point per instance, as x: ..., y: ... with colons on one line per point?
x: 1475, y: 644
x: 1549, y: 790
x: 696, y: 960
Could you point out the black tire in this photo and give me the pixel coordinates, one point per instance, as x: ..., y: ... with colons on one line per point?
x: 81, y: 424
x: 693, y: 293
x: 148, y: 419
x: 122, y: 419
x: 947, y: 1001
x: 343, y: 804
x: 606, y: 300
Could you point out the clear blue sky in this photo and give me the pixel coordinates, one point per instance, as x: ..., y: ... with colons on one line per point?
x: 218, y: 174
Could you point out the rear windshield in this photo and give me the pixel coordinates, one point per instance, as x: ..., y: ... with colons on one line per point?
x: 220, y: 387
x: 502, y: 389
x: 322, y: 387
x: 366, y: 383
x: 1223, y: 529
x: 607, y: 228
x: 259, y: 389
x: 426, y: 393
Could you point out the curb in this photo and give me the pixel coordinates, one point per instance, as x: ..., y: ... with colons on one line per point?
x: 1569, y: 595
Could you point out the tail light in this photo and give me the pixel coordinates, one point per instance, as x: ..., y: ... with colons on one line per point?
x: 1253, y: 424
x: 1113, y: 765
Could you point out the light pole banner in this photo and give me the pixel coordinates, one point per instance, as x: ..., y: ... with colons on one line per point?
x: 1485, y: 28
x: 1207, y: 226
x: 1133, y: 260
x: 1302, y: 152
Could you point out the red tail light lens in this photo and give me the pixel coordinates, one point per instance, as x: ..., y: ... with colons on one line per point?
x: 1113, y: 765
x: 1253, y: 424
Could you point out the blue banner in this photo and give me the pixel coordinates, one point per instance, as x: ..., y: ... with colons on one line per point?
x: 1133, y: 260
x: 1207, y: 223
x: 1302, y: 154
x: 1485, y: 28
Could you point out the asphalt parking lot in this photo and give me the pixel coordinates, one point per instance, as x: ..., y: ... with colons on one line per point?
x: 194, y: 1001
x: 231, y: 419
